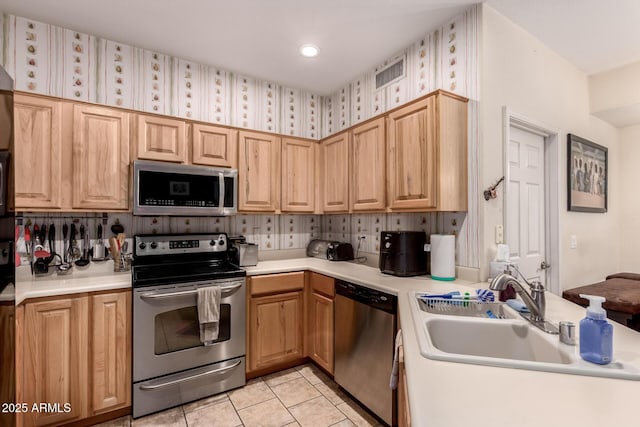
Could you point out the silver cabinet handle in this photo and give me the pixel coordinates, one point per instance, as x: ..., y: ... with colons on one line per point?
x: 224, y: 291
x: 189, y: 378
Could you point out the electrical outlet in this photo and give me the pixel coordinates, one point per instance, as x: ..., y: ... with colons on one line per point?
x: 499, y: 234
x: 573, y: 241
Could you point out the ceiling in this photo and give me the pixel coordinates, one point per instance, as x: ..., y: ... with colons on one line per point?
x: 261, y: 38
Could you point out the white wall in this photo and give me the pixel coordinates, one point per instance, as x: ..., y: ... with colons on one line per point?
x: 615, y: 88
x: 615, y: 95
x: 629, y: 179
x: 520, y: 72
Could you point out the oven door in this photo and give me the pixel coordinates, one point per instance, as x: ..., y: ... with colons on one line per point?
x: 166, y: 332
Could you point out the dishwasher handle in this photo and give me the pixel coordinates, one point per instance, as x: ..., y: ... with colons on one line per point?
x: 370, y: 297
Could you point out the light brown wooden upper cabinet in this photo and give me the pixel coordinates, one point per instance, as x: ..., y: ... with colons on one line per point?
x: 37, y: 153
x: 334, y: 170
x: 368, y: 185
x: 298, y: 175
x: 100, y: 158
x: 258, y: 172
x: 427, y: 157
x: 161, y: 138
x: 214, y: 146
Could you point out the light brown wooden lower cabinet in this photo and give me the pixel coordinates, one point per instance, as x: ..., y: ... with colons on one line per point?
x: 275, y: 319
x: 74, y: 352
x: 110, y: 364
x: 320, y: 320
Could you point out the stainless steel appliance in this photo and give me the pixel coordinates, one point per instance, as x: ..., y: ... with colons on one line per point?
x: 364, y: 345
x: 242, y: 253
x: 171, y: 366
x: 168, y: 189
x: 402, y: 253
x: 331, y: 250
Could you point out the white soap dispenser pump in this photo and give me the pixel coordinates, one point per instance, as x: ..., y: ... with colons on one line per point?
x: 596, y: 334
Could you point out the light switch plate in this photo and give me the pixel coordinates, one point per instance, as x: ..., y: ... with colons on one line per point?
x: 573, y: 241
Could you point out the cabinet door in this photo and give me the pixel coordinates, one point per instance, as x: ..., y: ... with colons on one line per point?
x: 37, y: 152
x: 215, y: 146
x: 298, y: 175
x: 100, y: 158
x: 412, y: 157
x: 276, y: 329
x: 55, y: 359
x: 368, y: 171
x: 335, y: 173
x: 258, y: 172
x: 111, y: 351
x: 321, y: 333
x: 161, y: 138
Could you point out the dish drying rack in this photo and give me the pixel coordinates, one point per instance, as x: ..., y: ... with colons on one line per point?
x: 460, y: 307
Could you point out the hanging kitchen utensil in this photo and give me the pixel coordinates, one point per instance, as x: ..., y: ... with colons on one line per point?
x: 27, y: 240
x: 39, y: 250
x: 117, y: 228
x: 51, y: 237
x: 74, y: 250
x: 16, y: 258
x: 98, y: 252
x: 65, y: 266
x: 84, y: 260
x: 65, y: 248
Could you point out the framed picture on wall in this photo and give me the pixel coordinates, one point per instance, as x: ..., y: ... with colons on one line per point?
x: 587, y: 170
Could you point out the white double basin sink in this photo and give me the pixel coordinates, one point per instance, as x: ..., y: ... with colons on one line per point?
x: 509, y: 341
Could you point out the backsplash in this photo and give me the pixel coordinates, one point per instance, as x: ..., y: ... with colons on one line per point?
x: 270, y: 232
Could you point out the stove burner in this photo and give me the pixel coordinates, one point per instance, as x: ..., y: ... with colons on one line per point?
x: 179, y: 258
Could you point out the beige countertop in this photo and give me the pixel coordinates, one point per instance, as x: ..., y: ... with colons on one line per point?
x: 95, y: 277
x: 441, y: 393
x: 448, y: 394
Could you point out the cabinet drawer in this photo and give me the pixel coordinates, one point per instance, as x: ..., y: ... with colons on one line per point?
x: 276, y: 283
x: 322, y: 284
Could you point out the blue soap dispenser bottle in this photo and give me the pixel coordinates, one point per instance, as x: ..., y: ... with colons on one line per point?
x: 596, y: 334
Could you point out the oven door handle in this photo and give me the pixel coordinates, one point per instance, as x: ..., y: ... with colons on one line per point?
x: 189, y: 378
x: 224, y: 291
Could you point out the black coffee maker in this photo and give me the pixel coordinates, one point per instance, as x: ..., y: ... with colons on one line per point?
x: 402, y: 253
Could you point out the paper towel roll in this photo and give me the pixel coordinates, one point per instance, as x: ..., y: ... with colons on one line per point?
x: 443, y: 257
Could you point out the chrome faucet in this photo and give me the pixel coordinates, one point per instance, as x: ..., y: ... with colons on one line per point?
x: 535, y: 300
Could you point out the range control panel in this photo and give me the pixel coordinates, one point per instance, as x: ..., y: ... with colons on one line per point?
x: 175, y: 244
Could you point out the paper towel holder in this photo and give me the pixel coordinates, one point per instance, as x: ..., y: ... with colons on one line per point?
x: 490, y: 193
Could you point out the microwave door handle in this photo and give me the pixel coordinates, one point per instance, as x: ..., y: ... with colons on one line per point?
x: 221, y: 194
x: 224, y: 291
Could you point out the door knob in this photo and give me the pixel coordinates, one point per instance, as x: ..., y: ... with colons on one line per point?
x: 544, y: 266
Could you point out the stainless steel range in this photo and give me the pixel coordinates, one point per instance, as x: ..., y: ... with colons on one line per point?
x: 171, y: 366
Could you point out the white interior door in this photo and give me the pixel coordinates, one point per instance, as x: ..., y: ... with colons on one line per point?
x: 525, y: 223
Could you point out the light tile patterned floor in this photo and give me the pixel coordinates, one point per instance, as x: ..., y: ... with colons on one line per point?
x: 302, y: 396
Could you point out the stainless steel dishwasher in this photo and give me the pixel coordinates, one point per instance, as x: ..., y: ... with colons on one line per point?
x: 365, y: 326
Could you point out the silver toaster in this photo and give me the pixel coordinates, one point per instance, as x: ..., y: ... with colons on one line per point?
x: 242, y: 253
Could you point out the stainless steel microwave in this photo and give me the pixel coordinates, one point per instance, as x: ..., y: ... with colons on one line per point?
x: 183, y: 190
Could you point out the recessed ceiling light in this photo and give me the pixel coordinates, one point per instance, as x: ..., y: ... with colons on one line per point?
x: 309, y: 50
